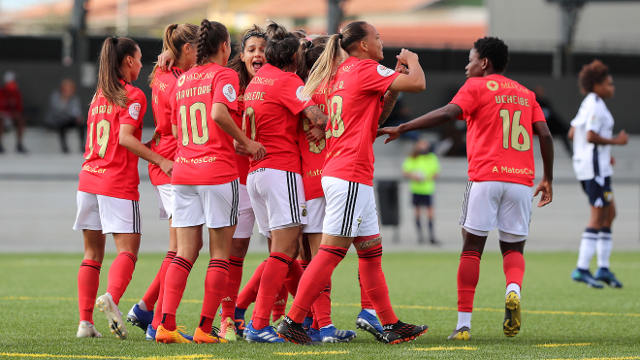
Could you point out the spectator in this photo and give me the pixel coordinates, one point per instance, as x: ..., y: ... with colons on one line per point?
x: 11, y: 108
x: 65, y: 113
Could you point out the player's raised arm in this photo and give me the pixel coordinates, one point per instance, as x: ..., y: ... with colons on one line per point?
x: 433, y: 118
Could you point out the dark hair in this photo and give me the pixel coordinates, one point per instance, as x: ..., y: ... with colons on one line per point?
x: 312, y: 50
x: 175, y: 36
x: 351, y: 34
x: 211, y: 35
x: 236, y: 62
x: 495, y: 50
x: 591, y: 74
x: 113, y: 52
x: 282, y: 47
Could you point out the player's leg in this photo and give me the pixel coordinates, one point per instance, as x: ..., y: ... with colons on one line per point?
x: 605, y: 244
x: 415, y: 199
x: 589, y: 239
x: 430, y: 219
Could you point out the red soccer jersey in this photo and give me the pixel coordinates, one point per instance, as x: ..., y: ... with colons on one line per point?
x: 109, y: 168
x: 500, y: 114
x: 273, y: 101
x: 355, y: 106
x: 205, y: 153
x: 312, y: 153
x: 242, y: 161
x: 162, y: 94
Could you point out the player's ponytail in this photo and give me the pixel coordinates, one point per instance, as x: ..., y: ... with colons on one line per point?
x: 114, y: 50
x: 174, y: 38
x: 211, y: 35
x: 324, y: 67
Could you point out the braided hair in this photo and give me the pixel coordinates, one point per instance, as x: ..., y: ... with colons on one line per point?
x: 211, y: 35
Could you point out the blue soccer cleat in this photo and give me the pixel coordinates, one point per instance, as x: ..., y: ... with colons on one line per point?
x: 314, y: 334
x: 307, y: 323
x: 139, y: 317
x: 265, y: 335
x: 332, y: 335
x: 585, y: 276
x: 150, y: 334
x: 606, y: 276
x: 367, y: 322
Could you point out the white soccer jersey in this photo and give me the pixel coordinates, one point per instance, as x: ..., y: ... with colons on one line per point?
x: 590, y: 160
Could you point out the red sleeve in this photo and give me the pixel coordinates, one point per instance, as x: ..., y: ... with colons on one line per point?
x: 538, y: 115
x: 374, y: 77
x: 466, y: 99
x: 133, y: 113
x: 173, y: 105
x: 291, y: 94
x: 226, y: 89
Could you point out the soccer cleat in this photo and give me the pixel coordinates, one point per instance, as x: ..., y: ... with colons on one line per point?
x: 86, y: 329
x: 277, y: 322
x: 201, y: 337
x: 369, y: 323
x: 106, y: 305
x: 332, y: 335
x: 512, y: 321
x: 228, y: 329
x: 150, y: 334
x: 293, y: 332
x: 401, y: 332
x: 170, y: 337
x: 140, y: 318
x: 464, y: 333
x: 314, y: 335
x: 606, y: 276
x: 585, y: 276
x: 238, y: 319
x: 307, y: 323
x: 265, y: 335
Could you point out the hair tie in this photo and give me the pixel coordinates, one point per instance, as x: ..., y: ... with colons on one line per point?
x: 340, y: 36
x: 114, y: 39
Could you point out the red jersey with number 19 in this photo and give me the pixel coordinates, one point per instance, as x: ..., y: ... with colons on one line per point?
x: 500, y: 114
x: 109, y: 168
x: 163, y: 143
x: 205, y: 153
x: 273, y: 101
x: 355, y: 106
x: 312, y: 153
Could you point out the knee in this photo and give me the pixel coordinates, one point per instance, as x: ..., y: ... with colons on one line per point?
x: 365, y: 243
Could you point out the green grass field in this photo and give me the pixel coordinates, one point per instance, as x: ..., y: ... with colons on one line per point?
x: 561, y: 319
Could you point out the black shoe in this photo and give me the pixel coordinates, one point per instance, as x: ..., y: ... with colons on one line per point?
x: 401, y: 332
x: 435, y: 242
x: 293, y: 332
x: 21, y: 149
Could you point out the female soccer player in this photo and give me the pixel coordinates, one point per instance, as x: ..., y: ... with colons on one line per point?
x: 501, y: 117
x: 355, y: 108
x: 592, y: 132
x: 205, y: 179
x: 108, y: 183
x: 273, y: 102
x: 180, y: 40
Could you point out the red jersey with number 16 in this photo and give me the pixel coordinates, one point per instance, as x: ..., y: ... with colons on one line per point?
x: 355, y: 106
x: 500, y: 114
x: 205, y: 153
x: 313, y: 153
x: 163, y: 143
x: 109, y: 168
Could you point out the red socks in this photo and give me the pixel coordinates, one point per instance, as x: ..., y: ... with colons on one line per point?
x: 293, y: 277
x: 468, y: 274
x: 88, y: 281
x: 248, y: 294
x: 275, y: 271
x: 120, y: 274
x: 374, y: 283
x: 162, y: 274
x: 365, y: 303
x: 175, y: 282
x: 215, y: 285
x: 228, y: 302
x: 315, y: 278
x: 152, y: 294
x: 280, y: 305
x: 513, y: 266
x: 322, y: 308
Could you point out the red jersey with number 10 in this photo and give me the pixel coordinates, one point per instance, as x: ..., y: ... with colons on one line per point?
x: 355, y: 105
x: 109, y: 168
x: 163, y: 143
x: 205, y: 153
x: 313, y: 153
x: 500, y: 114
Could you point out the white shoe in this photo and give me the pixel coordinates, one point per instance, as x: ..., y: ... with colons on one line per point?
x: 86, y: 329
x: 106, y: 305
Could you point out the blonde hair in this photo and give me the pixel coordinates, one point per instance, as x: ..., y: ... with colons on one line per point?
x: 175, y: 36
x: 113, y: 52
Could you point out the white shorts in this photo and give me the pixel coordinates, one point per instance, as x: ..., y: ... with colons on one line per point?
x: 315, y: 215
x: 109, y: 214
x: 491, y: 204
x: 277, y: 198
x: 165, y: 200
x: 215, y: 206
x: 351, y: 208
x: 246, y: 218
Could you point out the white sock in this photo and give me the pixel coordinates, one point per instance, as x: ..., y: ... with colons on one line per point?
x: 371, y: 311
x: 464, y: 319
x: 603, y: 248
x: 142, y: 305
x: 587, y: 248
x: 513, y: 287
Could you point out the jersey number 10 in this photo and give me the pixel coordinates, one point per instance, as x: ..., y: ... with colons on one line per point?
x: 513, y: 127
x: 194, y: 109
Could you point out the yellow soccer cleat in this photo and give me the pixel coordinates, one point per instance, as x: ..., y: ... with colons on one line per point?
x: 464, y: 333
x: 201, y: 337
x: 512, y: 321
x: 170, y: 337
x: 228, y: 329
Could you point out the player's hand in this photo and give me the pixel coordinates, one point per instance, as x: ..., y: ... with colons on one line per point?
x: 255, y: 150
x: 166, y: 60
x: 546, y: 193
x: 613, y: 161
x: 166, y: 166
x: 622, y: 138
x: 392, y: 131
x: 406, y: 56
x: 315, y: 134
x: 401, y: 68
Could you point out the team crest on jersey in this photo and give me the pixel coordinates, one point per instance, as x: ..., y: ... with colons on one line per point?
x: 492, y: 85
x: 134, y: 110
x: 181, y: 80
x: 301, y: 96
x: 384, y: 71
x: 229, y: 92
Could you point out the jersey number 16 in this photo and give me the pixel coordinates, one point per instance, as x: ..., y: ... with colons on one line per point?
x: 511, y: 126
